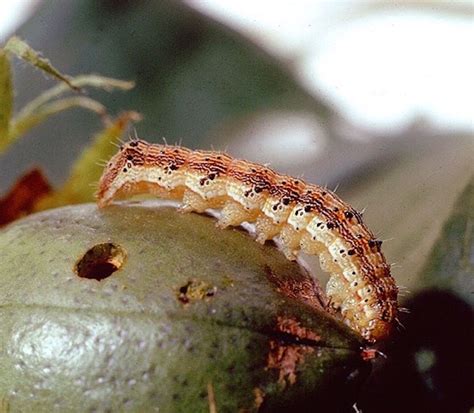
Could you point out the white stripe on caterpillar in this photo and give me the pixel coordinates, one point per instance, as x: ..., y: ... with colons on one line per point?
x: 304, y: 216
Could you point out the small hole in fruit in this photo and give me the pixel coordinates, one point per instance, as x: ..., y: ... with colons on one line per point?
x: 101, y: 261
x: 195, y: 290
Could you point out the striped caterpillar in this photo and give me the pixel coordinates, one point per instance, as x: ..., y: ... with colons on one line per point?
x: 304, y: 216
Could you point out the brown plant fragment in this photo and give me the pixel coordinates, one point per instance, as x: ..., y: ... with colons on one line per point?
x: 23, y: 196
x: 211, y: 398
x: 286, y: 357
x: 259, y: 397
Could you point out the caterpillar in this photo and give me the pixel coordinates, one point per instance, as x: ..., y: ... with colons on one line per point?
x: 303, y: 216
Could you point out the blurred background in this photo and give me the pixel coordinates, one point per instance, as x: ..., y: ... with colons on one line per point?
x: 372, y: 97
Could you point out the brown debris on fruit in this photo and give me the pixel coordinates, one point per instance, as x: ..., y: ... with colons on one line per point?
x: 305, y: 290
x: 284, y: 356
x: 195, y: 290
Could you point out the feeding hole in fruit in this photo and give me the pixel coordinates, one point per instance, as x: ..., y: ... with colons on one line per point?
x: 195, y: 290
x: 101, y: 261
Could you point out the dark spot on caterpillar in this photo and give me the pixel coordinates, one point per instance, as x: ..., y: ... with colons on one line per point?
x: 375, y: 243
x: 129, y: 157
x: 207, y: 159
x: 275, y: 207
x: 330, y: 225
x: 253, y: 170
x: 258, y: 189
x: 283, y: 182
x: 202, y: 181
x: 319, y: 224
x: 219, y: 157
x: 124, y: 169
x: 348, y: 214
x: 133, y: 144
x: 341, y: 251
x: 385, y: 315
x: 211, y: 176
x: 323, y: 193
x: 308, y: 208
x: 176, y: 150
x: 351, y: 252
x: 286, y: 201
x: 335, y: 209
x: 121, y: 147
x: 173, y: 167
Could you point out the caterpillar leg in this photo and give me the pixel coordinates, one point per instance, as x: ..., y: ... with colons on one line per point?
x: 309, y: 245
x: 327, y: 263
x: 233, y: 214
x: 193, y: 202
x: 290, y: 237
x: 266, y: 229
x: 336, y: 289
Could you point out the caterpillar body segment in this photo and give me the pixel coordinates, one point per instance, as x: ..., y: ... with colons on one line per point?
x: 303, y: 216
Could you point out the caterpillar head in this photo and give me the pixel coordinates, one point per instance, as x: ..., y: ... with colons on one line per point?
x: 120, y: 172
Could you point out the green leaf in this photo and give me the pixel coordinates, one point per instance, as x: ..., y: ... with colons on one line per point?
x: 6, y: 96
x: 451, y: 263
x: 22, y: 50
x: 22, y: 124
x: 95, y: 81
x: 47, y: 104
x: 87, y: 169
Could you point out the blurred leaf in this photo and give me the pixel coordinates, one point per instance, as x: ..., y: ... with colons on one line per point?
x: 21, y: 199
x: 22, y: 124
x: 451, y: 263
x: 22, y: 50
x: 6, y: 96
x: 87, y: 169
x: 41, y: 108
x: 421, y: 363
x: 409, y: 198
x: 95, y: 81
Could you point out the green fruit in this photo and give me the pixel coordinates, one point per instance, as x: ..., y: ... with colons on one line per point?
x: 140, y: 308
